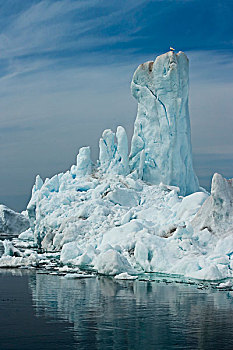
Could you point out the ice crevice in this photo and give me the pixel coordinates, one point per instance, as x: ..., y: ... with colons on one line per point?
x: 163, y: 105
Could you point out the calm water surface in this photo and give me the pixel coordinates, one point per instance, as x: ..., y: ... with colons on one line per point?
x: 40, y: 311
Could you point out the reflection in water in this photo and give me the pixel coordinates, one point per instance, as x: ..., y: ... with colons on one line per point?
x: 109, y: 314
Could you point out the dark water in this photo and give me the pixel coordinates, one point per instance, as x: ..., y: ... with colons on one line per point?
x: 39, y: 311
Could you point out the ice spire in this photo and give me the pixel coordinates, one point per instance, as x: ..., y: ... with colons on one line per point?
x: 161, y: 144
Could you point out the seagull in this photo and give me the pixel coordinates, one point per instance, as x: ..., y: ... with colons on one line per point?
x: 171, y: 48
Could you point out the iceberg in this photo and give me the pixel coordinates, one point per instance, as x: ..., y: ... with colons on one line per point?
x: 138, y: 213
x: 12, y: 222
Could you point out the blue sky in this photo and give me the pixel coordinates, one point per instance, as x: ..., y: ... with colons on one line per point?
x: 65, y: 72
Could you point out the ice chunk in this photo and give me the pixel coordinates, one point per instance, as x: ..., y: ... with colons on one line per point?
x: 84, y: 164
x: 113, y: 157
x: 125, y: 276
x: 10, y: 250
x: 225, y: 285
x: 51, y: 185
x: 12, y: 261
x: 107, y: 149
x: 127, y: 217
x: 121, y: 163
x: 190, y: 205
x: 122, y: 235
x: 161, y: 143
x: 31, y: 207
x: 18, y: 261
x: 78, y: 276
x: 27, y: 235
x: 216, y: 214
x: 69, y: 252
x: 123, y: 196
x: 112, y: 263
x: 203, y: 237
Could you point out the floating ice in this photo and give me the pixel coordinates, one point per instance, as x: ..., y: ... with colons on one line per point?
x: 124, y: 218
x: 125, y: 276
x: 78, y: 276
x: 225, y: 285
x: 13, y: 257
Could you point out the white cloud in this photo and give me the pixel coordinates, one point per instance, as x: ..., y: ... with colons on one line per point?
x: 50, y: 106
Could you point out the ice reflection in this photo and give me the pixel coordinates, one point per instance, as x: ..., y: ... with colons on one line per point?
x: 14, y: 272
x: 136, y: 315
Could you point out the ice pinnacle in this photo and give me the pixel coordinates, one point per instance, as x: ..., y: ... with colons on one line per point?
x: 161, y: 145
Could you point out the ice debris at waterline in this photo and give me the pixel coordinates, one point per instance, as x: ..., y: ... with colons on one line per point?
x: 136, y: 213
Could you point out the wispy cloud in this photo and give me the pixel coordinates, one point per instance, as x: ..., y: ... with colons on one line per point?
x: 45, y: 25
x: 56, y: 34
x: 65, y: 72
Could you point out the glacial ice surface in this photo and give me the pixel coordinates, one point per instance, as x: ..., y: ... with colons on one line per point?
x: 161, y: 144
x: 156, y: 231
x: 127, y: 215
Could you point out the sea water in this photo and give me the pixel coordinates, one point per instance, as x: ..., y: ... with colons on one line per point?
x: 44, y: 311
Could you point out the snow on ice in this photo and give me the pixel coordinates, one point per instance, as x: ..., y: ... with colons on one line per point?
x: 137, y: 213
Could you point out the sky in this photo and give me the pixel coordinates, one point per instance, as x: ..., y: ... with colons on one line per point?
x: 65, y: 73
